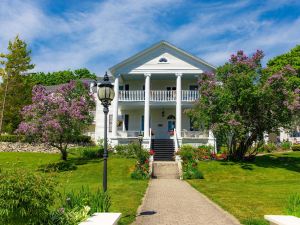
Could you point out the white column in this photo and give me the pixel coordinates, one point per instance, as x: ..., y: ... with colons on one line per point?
x: 147, y: 105
x: 115, y: 108
x: 178, y: 104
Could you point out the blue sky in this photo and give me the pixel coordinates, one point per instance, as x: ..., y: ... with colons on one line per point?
x: 94, y: 34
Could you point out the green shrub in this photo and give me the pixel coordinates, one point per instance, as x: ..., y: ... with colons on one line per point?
x: 202, y: 151
x: 128, y: 151
x: 224, y: 149
x: 68, y: 217
x: 26, y: 195
x: 11, y: 138
x: 58, y: 166
x: 296, y: 147
x: 94, y: 152
x: 141, y: 171
x: 293, y: 204
x: 77, y: 206
x: 190, y: 171
x: 187, y: 152
x: 286, y: 145
x: 132, y: 150
x: 98, y: 201
x: 271, y: 147
x: 81, y: 139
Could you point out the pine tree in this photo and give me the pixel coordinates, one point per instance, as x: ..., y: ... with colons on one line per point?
x: 15, y: 91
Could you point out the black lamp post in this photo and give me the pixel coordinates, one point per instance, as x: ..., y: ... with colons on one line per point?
x: 105, y: 94
x: 140, y: 138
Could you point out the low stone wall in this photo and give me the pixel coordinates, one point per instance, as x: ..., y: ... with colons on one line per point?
x: 26, y: 147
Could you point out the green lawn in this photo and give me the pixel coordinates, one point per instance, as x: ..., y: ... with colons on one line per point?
x: 125, y: 192
x: 251, y: 190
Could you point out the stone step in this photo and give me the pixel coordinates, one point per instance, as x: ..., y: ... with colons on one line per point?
x: 165, y: 170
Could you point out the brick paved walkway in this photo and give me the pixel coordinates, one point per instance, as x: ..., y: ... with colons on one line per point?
x: 175, y: 202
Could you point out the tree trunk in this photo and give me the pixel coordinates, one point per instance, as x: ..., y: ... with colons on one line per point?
x: 64, y: 154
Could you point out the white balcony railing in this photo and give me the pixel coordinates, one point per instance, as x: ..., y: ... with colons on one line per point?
x: 158, y: 95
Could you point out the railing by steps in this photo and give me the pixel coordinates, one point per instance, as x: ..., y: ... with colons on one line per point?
x: 194, y: 134
x: 158, y: 95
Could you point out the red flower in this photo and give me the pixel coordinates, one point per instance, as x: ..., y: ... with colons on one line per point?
x: 152, y: 152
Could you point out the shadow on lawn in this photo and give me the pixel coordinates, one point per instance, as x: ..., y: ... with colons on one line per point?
x: 285, y: 161
x: 69, y: 165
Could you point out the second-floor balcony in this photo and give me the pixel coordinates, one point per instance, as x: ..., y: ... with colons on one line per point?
x: 158, y: 95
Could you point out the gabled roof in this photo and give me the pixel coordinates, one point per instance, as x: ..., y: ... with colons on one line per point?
x: 155, y: 46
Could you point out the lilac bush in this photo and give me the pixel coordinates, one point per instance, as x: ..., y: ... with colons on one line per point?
x: 239, y: 102
x: 55, y: 118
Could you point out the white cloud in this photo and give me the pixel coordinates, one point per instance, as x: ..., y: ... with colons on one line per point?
x: 219, y: 30
x: 112, y: 30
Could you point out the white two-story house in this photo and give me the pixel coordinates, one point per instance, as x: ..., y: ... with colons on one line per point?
x: 152, y: 90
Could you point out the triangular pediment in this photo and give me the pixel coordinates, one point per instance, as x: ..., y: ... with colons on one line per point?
x: 161, y: 58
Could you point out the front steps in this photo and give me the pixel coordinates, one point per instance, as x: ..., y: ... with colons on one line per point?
x: 164, y: 149
x: 165, y: 170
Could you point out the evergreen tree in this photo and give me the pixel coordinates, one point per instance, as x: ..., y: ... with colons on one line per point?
x: 15, y: 90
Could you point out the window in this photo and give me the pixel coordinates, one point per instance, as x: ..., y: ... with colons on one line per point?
x: 163, y: 60
x: 193, y: 87
x: 142, y: 123
x: 121, y: 88
x: 126, y: 121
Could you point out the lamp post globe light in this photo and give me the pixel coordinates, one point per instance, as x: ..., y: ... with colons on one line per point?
x: 105, y: 94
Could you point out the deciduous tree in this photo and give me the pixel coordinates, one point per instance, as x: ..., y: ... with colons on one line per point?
x: 239, y: 104
x: 56, y: 118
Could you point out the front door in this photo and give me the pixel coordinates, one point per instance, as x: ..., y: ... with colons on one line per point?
x: 171, y: 125
x: 171, y: 120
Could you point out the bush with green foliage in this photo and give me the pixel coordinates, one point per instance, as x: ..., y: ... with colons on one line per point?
x: 187, y: 153
x: 26, y: 196
x: 76, y: 206
x: 91, y: 152
x: 98, y: 200
x: 191, y: 153
x: 11, y: 138
x: 190, y: 156
x: 58, y: 167
x: 81, y: 139
x: 296, y: 147
x: 271, y: 147
x: 190, y: 171
x: 69, y: 217
x: 134, y: 150
x: 286, y: 145
x: 293, y: 205
x: 141, y: 171
x: 129, y: 150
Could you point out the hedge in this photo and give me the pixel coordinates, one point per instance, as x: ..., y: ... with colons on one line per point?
x: 296, y: 147
x: 82, y: 139
x: 11, y: 138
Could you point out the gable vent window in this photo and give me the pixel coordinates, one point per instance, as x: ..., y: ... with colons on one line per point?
x: 163, y: 60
